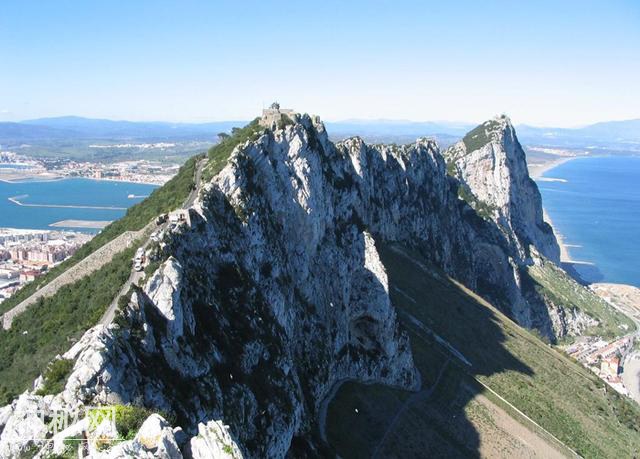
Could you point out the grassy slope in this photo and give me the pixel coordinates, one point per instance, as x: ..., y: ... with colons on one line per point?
x: 479, y: 136
x: 60, y: 320
x: 162, y: 200
x: 554, y: 284
x: 547, y: 386
x: 219, y: 154
x: 56, y: 322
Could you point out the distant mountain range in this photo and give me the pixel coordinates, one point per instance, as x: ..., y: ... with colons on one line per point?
x: 608, y: 133
x: 604, y: 134
x: 78, y: 128
x: 616, y: 132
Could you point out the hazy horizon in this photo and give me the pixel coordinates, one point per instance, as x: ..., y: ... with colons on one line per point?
x: 544, y: 64
x: 364, y: 121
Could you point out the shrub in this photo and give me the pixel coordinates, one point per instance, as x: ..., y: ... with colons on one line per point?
x: 129, y: 418
x: 56, y: 376
x: 220, y: 153
x: 483, y: 209
x: 479, y: 136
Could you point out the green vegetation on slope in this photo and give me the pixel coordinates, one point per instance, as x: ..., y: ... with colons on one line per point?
x: 51, y: 326
x: 547, y: 386
x: 164, y: 199
x: 479, y: 136
x: 219, y: 154
x: 556, y: 285
x: 452, y: 169
x: 129, y: 419
x: 55, y: 377
x: 483, y: 209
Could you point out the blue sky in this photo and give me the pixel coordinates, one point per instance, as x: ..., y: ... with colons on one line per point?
x: 561, y: 63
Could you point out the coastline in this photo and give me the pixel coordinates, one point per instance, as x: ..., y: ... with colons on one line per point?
x: 536, y: 172
x: 623, y: 297
x: 565, y: 255
x: 29, y: 178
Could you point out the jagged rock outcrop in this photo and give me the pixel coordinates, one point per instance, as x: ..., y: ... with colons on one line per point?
x: 275, y: 292
x: 491, y: 165
x: 213, y: 441
x: 23, y: 419
x: 569, y: 321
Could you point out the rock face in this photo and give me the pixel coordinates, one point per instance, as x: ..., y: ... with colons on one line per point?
x: 22, y: 419
x: 569, y: 321
x: 491, y: 165
x: 213, y: 441
x: 275, y: 292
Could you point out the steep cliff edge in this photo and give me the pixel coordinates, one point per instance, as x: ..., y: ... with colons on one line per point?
x: 274, y: 291
x: 492, y: 168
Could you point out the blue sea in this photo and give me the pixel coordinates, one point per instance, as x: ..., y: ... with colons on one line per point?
x: 597, y: 209
x: 76, y: 192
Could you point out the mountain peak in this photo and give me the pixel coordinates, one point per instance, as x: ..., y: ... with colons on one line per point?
x: 492, y: 130
x: 283, y: 283
x: 491, y: 166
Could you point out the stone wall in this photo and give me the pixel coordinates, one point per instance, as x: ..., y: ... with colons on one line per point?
x: 271, y: 116
x: 92, y: 263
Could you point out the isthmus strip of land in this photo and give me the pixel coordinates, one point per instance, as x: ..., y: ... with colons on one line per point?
x: 16, y: 200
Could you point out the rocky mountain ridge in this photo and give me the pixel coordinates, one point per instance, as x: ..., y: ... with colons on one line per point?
x: 492, y: 167
x: 276, y: 292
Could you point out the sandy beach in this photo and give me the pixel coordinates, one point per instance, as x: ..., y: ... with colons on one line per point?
x: 565, y: 256
x: 536, y: 170
x: 568, y: 263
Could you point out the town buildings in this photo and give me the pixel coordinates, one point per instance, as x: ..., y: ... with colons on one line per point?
x: 28, y: 254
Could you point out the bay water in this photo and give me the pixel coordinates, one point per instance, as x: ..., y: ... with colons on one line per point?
x: 596, y: 207
x: 67, y: 192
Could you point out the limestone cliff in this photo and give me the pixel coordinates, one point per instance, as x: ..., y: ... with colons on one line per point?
x: 274, y: 291
x: 492, y: 169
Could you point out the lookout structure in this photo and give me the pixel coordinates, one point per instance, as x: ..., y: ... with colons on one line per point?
x: 274, y: 114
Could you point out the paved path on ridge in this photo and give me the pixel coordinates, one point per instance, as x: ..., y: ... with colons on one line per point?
x: 135, y: 276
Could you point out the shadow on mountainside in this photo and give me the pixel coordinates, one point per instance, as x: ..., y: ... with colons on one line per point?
x: 220, y: 351
x: 466, y: 410
x: 449, y: 330
x: 268, y: 260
